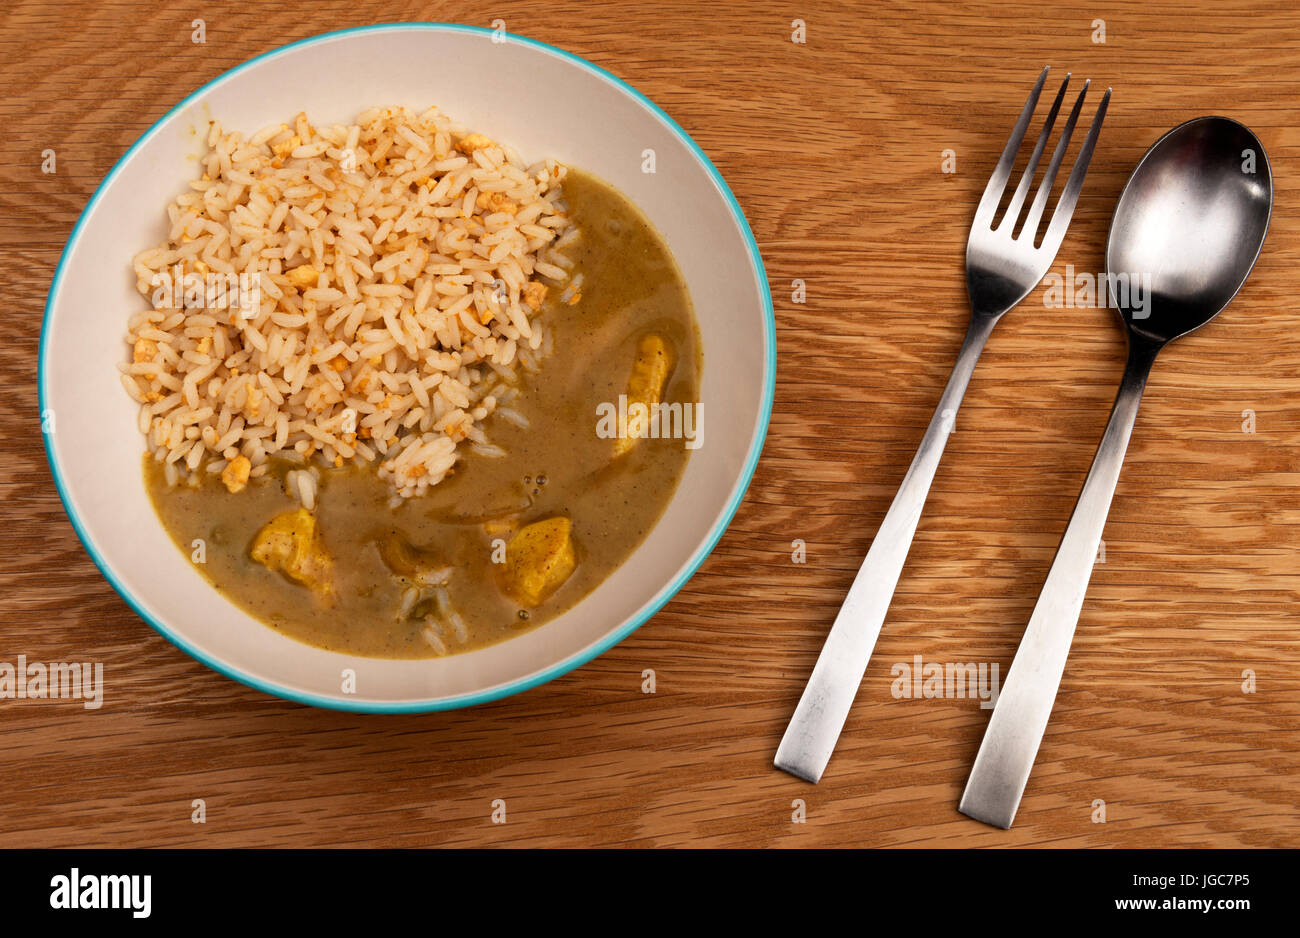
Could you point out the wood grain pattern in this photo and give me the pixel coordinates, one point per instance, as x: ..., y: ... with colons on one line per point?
x: 833, y: 149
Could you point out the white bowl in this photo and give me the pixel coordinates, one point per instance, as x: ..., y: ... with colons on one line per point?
x: 542, y: 101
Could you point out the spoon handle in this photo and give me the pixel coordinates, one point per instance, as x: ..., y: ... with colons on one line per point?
x: 1006, y: 756
x: 815, y: 727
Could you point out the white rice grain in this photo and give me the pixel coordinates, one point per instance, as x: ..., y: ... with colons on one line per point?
x: 363, y: 284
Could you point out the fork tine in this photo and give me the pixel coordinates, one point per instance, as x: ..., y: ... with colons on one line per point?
x: 1070, y: 194
x: 1035, y: 213
x: 1022, y: 189
x: 1002, y: 172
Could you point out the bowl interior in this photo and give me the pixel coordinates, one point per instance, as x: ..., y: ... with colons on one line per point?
x: 541, y: 101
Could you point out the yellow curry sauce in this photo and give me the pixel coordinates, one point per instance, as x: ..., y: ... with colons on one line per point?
x: 557, y: 467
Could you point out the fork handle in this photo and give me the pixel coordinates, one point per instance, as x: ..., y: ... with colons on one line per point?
x: 815, y: 727
x: 1006, y: 756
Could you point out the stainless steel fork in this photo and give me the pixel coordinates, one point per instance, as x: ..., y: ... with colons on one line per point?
x: 1002, y: 265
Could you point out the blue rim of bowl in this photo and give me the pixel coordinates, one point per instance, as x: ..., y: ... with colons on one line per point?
x: 555, y: 670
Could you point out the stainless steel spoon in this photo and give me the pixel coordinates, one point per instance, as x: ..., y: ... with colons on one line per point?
x: 1191, y: 221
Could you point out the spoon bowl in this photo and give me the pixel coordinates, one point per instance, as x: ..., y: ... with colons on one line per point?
x: 1188, y: 227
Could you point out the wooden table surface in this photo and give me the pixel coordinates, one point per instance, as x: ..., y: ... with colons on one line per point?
x: 834, y: 149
